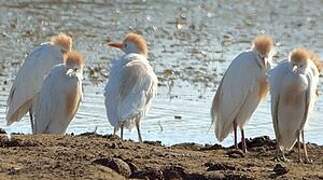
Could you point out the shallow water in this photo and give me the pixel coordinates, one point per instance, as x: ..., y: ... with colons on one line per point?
x: 191, y: 43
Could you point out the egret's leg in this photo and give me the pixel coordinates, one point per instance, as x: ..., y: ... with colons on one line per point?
x: 122, y: 132
x: 114, y: 131
x: 307, y: 160
x: 278, y: 151
x: 235, y: 134
x: 243, y: 141
x: 138, y: 130
x: 299, y: 146
x: 280, y: 156
x: 31, y: 120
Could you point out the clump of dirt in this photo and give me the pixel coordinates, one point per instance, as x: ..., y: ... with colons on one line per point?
x: 116, y: 164
x: 5, y: 142
x: 93, y: 156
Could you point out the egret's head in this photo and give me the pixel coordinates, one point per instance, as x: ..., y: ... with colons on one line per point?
x: 299, y: 59
x: 263, y: 45
x: 133, y: 43
x: 63, y: 41
x: 74, y: 62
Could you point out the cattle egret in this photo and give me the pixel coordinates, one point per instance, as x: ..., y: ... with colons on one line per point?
x: 30, y: 76
x: 293, y: 93
x: 132, y: 85
x: 241, y: 89
x: 60, y: 96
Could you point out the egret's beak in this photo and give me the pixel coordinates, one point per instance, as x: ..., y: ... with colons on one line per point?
x: 116, y: 45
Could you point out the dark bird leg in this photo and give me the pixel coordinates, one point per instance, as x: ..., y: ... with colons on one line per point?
x: 121, y: 131
x: 243, y: 141
x: 31, y: 120
x: 138, y: 130
x: 235, y: 134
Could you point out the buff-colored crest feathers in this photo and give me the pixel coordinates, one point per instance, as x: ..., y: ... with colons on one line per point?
x: 263, y: 44
x: 74, y: 57
x: 139, y: 41
x: 300, y: 54
x: 63, y: 41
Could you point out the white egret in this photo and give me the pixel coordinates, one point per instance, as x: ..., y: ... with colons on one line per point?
x: 242, y: 87
x: 293, y: 93
x: 30, y: 76
x: 132, y: 85
x: 60, y: 96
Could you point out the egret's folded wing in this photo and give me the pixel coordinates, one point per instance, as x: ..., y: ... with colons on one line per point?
x: 138, y: 87
x: 28, y: 80
x: 48, y: 102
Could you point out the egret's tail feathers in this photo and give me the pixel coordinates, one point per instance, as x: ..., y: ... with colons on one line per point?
x: 14, y: 114
x: 222, y: 130
x: 287, y: 141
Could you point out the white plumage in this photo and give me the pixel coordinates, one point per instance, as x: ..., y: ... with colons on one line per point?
x: 30, y: 76
x: 29, y: 79
x: 59, y: 98
x: 238, y: 93
x: 131, y: 87
x: 293, y: 93
x: 242, y: 87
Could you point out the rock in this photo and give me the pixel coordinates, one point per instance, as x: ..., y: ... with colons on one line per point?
x: 188, y: 146
x: 219, y: 166
x: 280, y: 169
x: 235, y: 153
x: 208, y: 147
x: 174, y: 172
x: 154, y: 143
x: 116, y: 164
x: 148, y: 173
x: 13, y: 142
x: 214, y: 175
x: 2, y: 131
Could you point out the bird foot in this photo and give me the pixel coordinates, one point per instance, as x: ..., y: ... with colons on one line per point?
x: 308, y: 161
x: 281, y: 158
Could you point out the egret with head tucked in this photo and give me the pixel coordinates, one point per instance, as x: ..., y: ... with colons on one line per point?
x: 293, y: 93
x: 241, y: 89
x: 31, y: 75
x: 60, y: 96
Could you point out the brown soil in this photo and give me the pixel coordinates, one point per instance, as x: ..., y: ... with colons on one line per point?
x: 92, y: 156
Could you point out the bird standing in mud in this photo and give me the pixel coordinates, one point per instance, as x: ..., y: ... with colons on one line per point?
x: 60, y: 96
x: 241, y: 89
x: 293, y: 93
x: 132, y: 85
x: 31, y: 75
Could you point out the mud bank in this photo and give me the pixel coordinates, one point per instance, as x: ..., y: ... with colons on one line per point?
x: 93, y: 156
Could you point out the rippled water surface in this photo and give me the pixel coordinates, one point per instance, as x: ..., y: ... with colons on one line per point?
x: 191, y: 44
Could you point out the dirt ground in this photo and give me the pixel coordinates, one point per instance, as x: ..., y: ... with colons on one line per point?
x: 91, y: 156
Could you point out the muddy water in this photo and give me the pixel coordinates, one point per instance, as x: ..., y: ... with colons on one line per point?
x: 191, y: 44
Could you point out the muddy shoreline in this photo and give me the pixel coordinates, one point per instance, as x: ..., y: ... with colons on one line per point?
x: 93, y: 156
